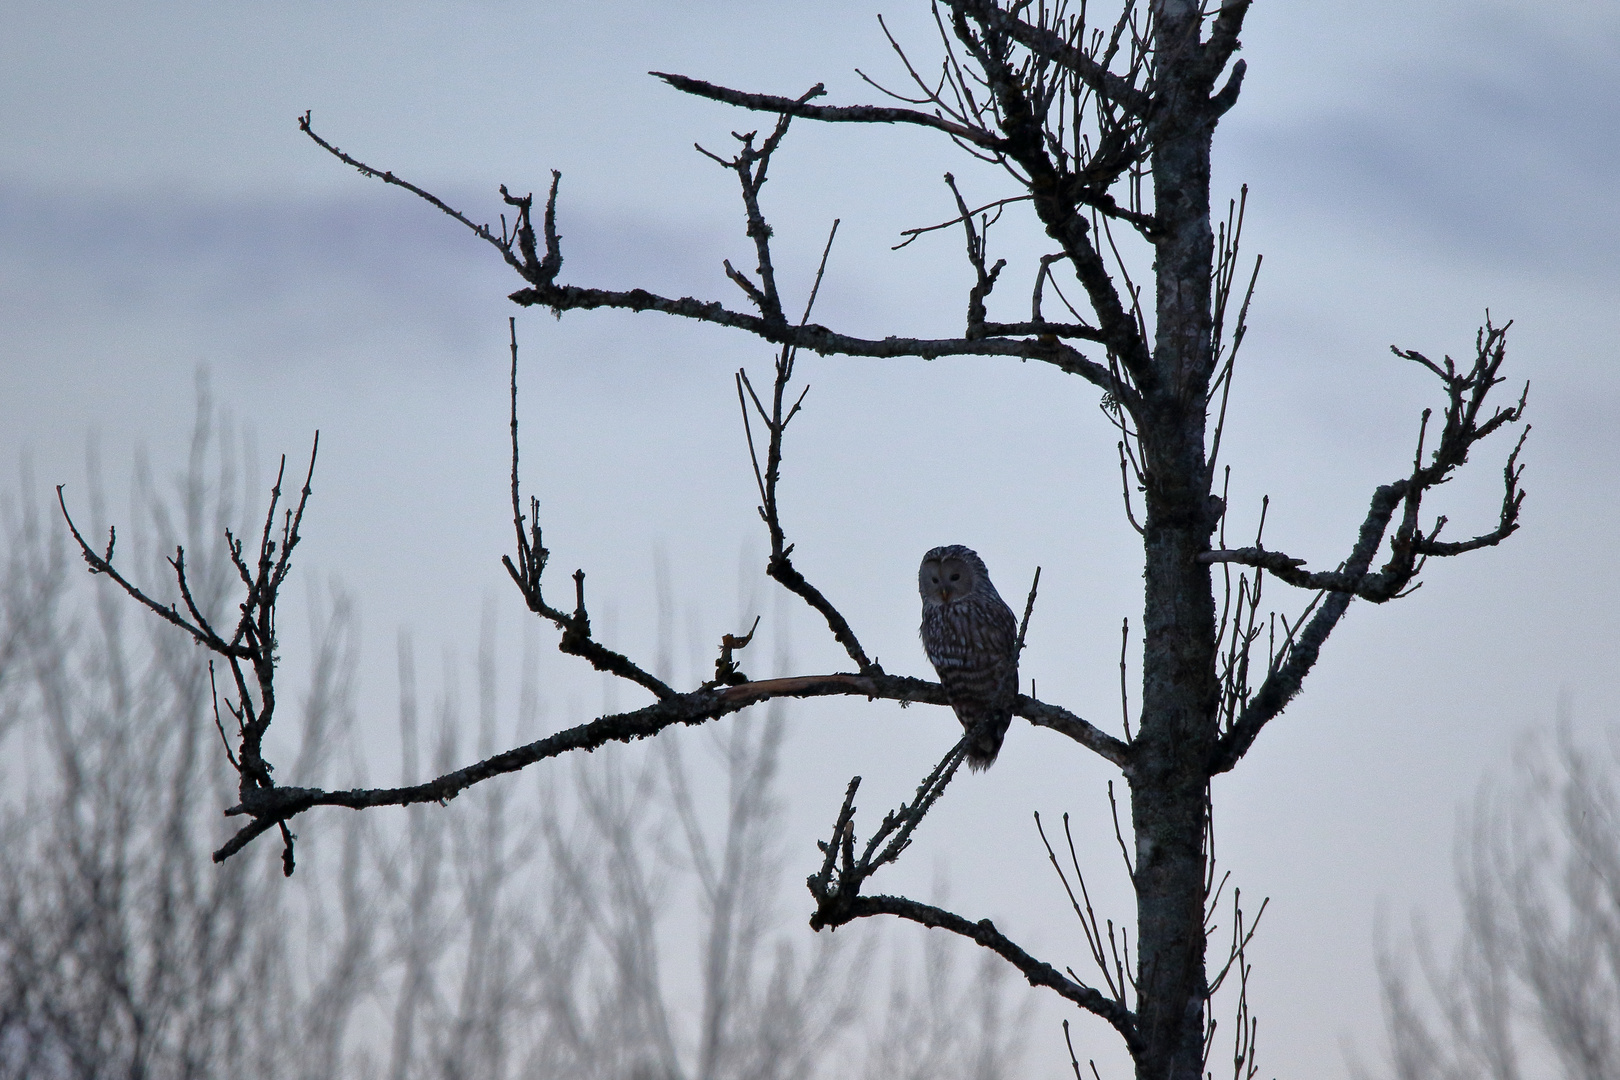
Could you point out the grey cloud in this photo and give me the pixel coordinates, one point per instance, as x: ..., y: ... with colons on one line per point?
x: 1502, y: 147
x: 220, y: 259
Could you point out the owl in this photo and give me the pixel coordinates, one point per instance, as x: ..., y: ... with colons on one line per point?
x: 971, y: 638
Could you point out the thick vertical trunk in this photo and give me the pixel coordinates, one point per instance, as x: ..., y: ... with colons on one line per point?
x: 1168, y: 777
x: 1179, y: 695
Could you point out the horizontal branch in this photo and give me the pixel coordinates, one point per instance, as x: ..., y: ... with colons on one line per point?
x: 1065, y: 722
x: 272, y: 805
x: 984, y: 933
x: 851, y: 114
x: 518, y: 249
x: 907, y: 689
x: 1048, y: 329
x: 820, y: 339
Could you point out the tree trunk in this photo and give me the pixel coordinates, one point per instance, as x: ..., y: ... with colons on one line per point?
x: 1169, y: 778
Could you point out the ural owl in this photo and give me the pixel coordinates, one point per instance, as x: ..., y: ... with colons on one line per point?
x: 971, y: 638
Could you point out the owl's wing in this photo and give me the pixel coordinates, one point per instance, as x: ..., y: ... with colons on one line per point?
x: 1001, y: 629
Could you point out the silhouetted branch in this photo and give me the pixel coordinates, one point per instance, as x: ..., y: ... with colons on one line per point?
x: 977, y: 243
x: 521, y: 237
x: 252, y: 643
x: 776, y: 419
x: 984, y: 933
x: 841, y: 876
x: 1064, y: 175
x: 269, y: 806
x: 543, y: 291
x: 526, y: 572
x: 1114, y: 961
x: 801, y: 107
x: 995, y: 204
x: 836, y: 888
x: 1070, y: 51
x: 1462, y: 427
x: 1029, y: 609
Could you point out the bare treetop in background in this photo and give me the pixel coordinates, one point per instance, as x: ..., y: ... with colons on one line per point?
x: 1096, y: 127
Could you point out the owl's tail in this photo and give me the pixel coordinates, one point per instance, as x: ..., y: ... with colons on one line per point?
x: 984, y: 741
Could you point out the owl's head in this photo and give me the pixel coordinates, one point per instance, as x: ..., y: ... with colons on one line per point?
x: 950, y: 573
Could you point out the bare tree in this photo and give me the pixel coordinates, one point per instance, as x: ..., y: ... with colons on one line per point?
x: 1533, y: 985
x: 1094, y: 126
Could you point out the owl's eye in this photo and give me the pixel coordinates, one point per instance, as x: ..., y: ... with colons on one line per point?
x: 955, y: 577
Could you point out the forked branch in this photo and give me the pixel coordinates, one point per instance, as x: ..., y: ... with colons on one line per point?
x: 518, y: 246
x: 1463, y: 426
x: 527, y: 571
x: 1110, y: 948
x: 776, y: 419
x: 836, y: 888
x: 250, y: 651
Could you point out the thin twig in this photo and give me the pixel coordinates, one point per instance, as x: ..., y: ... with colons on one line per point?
x: 1029, y: 606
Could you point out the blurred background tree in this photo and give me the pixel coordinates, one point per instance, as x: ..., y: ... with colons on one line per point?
x: 1532, y: 987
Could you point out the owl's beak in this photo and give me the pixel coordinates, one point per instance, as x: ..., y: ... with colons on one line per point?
x: 945, y: 595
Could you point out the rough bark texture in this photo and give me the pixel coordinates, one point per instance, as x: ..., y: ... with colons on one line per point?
x: 1179, y: 693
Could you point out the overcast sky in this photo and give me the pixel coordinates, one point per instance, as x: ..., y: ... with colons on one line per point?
x: 1409, y: 166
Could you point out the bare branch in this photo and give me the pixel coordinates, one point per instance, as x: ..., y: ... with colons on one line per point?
x: 820, y: 339
x: 502, y: 244
x: 801, y: 107
x: 1067, y: 723
x: 1113, y: 976
x: 1125, y: 490
x: 101, y: 563
x: 541, y: 271
x: 269, y: 806
x: 1059, y: 194
x: 984, y: 933
x: 1029, y: 607
x: 780, y: 565
x: 253, y: 643
x: 836, y: 888
x: 526, y: 572
x: 995, y: 204
x: 1461, y: 428
x: 977, y: 242
x: 1124, y: 694
x: 1046, y: 43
